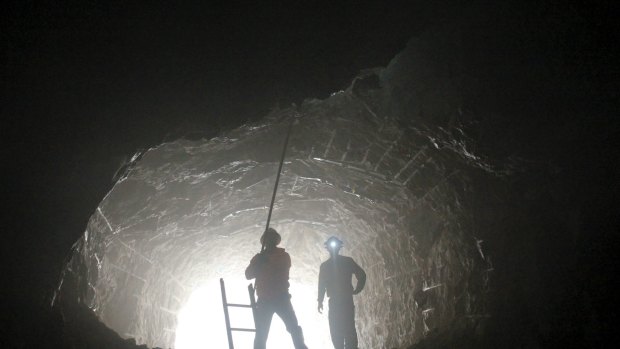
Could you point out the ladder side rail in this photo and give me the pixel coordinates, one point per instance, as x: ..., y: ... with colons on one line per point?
x: 226, y: 317
x: 252, y: 302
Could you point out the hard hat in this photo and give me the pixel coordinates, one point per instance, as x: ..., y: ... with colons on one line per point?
x: 270, y: 237
x: 333, y: 243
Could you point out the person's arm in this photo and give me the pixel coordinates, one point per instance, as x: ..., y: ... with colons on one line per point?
x: 322, y: 290
x: 360, y: 275
x: 284, y: 266
x: 252, y: 270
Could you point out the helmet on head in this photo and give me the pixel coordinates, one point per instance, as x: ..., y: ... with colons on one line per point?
x: 270, y: 237
x: 333, y: 243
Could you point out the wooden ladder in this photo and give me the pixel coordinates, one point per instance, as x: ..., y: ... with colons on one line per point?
x: 225, y: 303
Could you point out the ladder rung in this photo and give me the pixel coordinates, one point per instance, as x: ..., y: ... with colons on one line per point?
x: 238, y: 305
x: 243, y: 329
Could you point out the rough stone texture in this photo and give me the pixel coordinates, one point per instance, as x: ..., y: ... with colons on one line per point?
x: 462, y: 177
x: 394, y: 189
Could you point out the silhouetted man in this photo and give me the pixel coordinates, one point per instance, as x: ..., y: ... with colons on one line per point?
x: 335, y: 278
x: 271, y: 269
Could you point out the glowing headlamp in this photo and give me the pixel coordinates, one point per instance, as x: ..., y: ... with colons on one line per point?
x: 333, y: 243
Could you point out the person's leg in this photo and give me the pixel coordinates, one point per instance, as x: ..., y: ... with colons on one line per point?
x: 335, y: 324
x: 350, y: 334
x: 287, y: 314
x: 264, y: 314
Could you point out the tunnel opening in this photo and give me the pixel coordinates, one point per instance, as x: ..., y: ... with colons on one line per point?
x: 188, y: 212
x: 404, y: 130
x: 203, y: 309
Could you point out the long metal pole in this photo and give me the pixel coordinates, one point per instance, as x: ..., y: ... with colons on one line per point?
x: 275, y: 188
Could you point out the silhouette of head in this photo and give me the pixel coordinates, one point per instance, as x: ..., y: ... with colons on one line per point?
x: 270, y: 238
x: 333, y: 245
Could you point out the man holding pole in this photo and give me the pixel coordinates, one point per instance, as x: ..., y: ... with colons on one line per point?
x: 271, y: 268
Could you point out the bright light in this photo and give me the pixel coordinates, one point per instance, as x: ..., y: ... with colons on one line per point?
x: 201, y: 321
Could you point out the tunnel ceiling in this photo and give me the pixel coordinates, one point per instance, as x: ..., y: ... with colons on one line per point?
x: 385, y: 165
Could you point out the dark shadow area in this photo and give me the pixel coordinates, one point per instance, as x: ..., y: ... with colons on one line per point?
x: 87, y: 86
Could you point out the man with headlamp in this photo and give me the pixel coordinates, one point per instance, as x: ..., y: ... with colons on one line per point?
x: 335, y: 279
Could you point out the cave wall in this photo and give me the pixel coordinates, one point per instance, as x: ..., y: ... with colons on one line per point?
x: 395, y: 191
